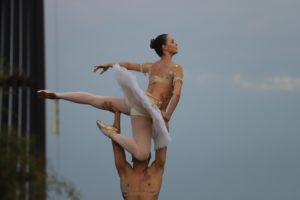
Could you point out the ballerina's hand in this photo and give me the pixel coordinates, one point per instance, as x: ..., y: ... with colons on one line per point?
x: 165, y: 116
x: 104, y: 68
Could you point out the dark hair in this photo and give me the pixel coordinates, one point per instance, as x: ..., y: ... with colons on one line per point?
x: 157, y: 44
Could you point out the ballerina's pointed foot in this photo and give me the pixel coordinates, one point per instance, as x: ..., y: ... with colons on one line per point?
x: 106, y: 129
x: 47, y: 94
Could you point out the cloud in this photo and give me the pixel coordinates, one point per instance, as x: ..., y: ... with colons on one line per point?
x: 276, y: 83
x: 196, y: 78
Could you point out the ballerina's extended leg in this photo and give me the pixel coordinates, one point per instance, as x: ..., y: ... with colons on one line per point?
x: 86, y: 98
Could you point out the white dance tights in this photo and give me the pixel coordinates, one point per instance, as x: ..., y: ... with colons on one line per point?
x: 139, y: 146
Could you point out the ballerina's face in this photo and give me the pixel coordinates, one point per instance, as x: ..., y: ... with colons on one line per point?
x: 170, y: 45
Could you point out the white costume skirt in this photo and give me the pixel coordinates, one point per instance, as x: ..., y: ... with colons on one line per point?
x: 139, y: 101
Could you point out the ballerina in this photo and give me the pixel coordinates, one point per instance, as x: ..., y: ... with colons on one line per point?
x: 150, y: 110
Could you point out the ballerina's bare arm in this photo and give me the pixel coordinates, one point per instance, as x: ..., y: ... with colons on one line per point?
x: 128, y: 65
x: 178, y: 76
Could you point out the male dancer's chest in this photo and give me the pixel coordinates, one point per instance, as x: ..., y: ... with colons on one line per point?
x: 145, y: 184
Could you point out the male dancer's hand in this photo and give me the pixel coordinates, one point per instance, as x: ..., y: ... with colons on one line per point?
x: 107, y: 105
x: 165, y: 116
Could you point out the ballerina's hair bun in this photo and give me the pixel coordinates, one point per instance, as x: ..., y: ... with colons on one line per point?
x: 158, y: 42
x: 152, y: 44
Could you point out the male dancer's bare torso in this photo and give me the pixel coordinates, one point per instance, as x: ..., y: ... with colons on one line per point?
x: 144, y: 185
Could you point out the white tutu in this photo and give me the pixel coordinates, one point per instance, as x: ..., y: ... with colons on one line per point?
x: 135, y: 96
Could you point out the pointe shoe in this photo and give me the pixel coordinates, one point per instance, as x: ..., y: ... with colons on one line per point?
x: 106, y: 129
x: 46, y: 94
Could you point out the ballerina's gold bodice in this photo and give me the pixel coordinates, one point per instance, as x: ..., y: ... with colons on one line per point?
x: 161, y: 84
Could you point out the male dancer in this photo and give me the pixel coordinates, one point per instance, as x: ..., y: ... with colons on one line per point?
x: 139, y: 181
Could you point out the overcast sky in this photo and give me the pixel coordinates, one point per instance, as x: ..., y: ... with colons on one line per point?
x: 235, y: 133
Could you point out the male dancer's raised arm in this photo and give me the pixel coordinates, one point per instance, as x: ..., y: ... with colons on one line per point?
x: 119, y: 153
x: 160, y: 156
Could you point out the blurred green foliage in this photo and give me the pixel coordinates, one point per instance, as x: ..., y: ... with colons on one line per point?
x: 18, y: 165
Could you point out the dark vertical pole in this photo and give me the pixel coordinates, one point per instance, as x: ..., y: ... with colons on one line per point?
x: 15, y: 64
x: 14, y: 84
x: 24, y: 85
x: 24, y: 67
x: 32, y: 185
x: 5, y: 61
x: 1, y: 58
x: 2, y: 17
x: 37, y: 73
x: 37, y: 112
